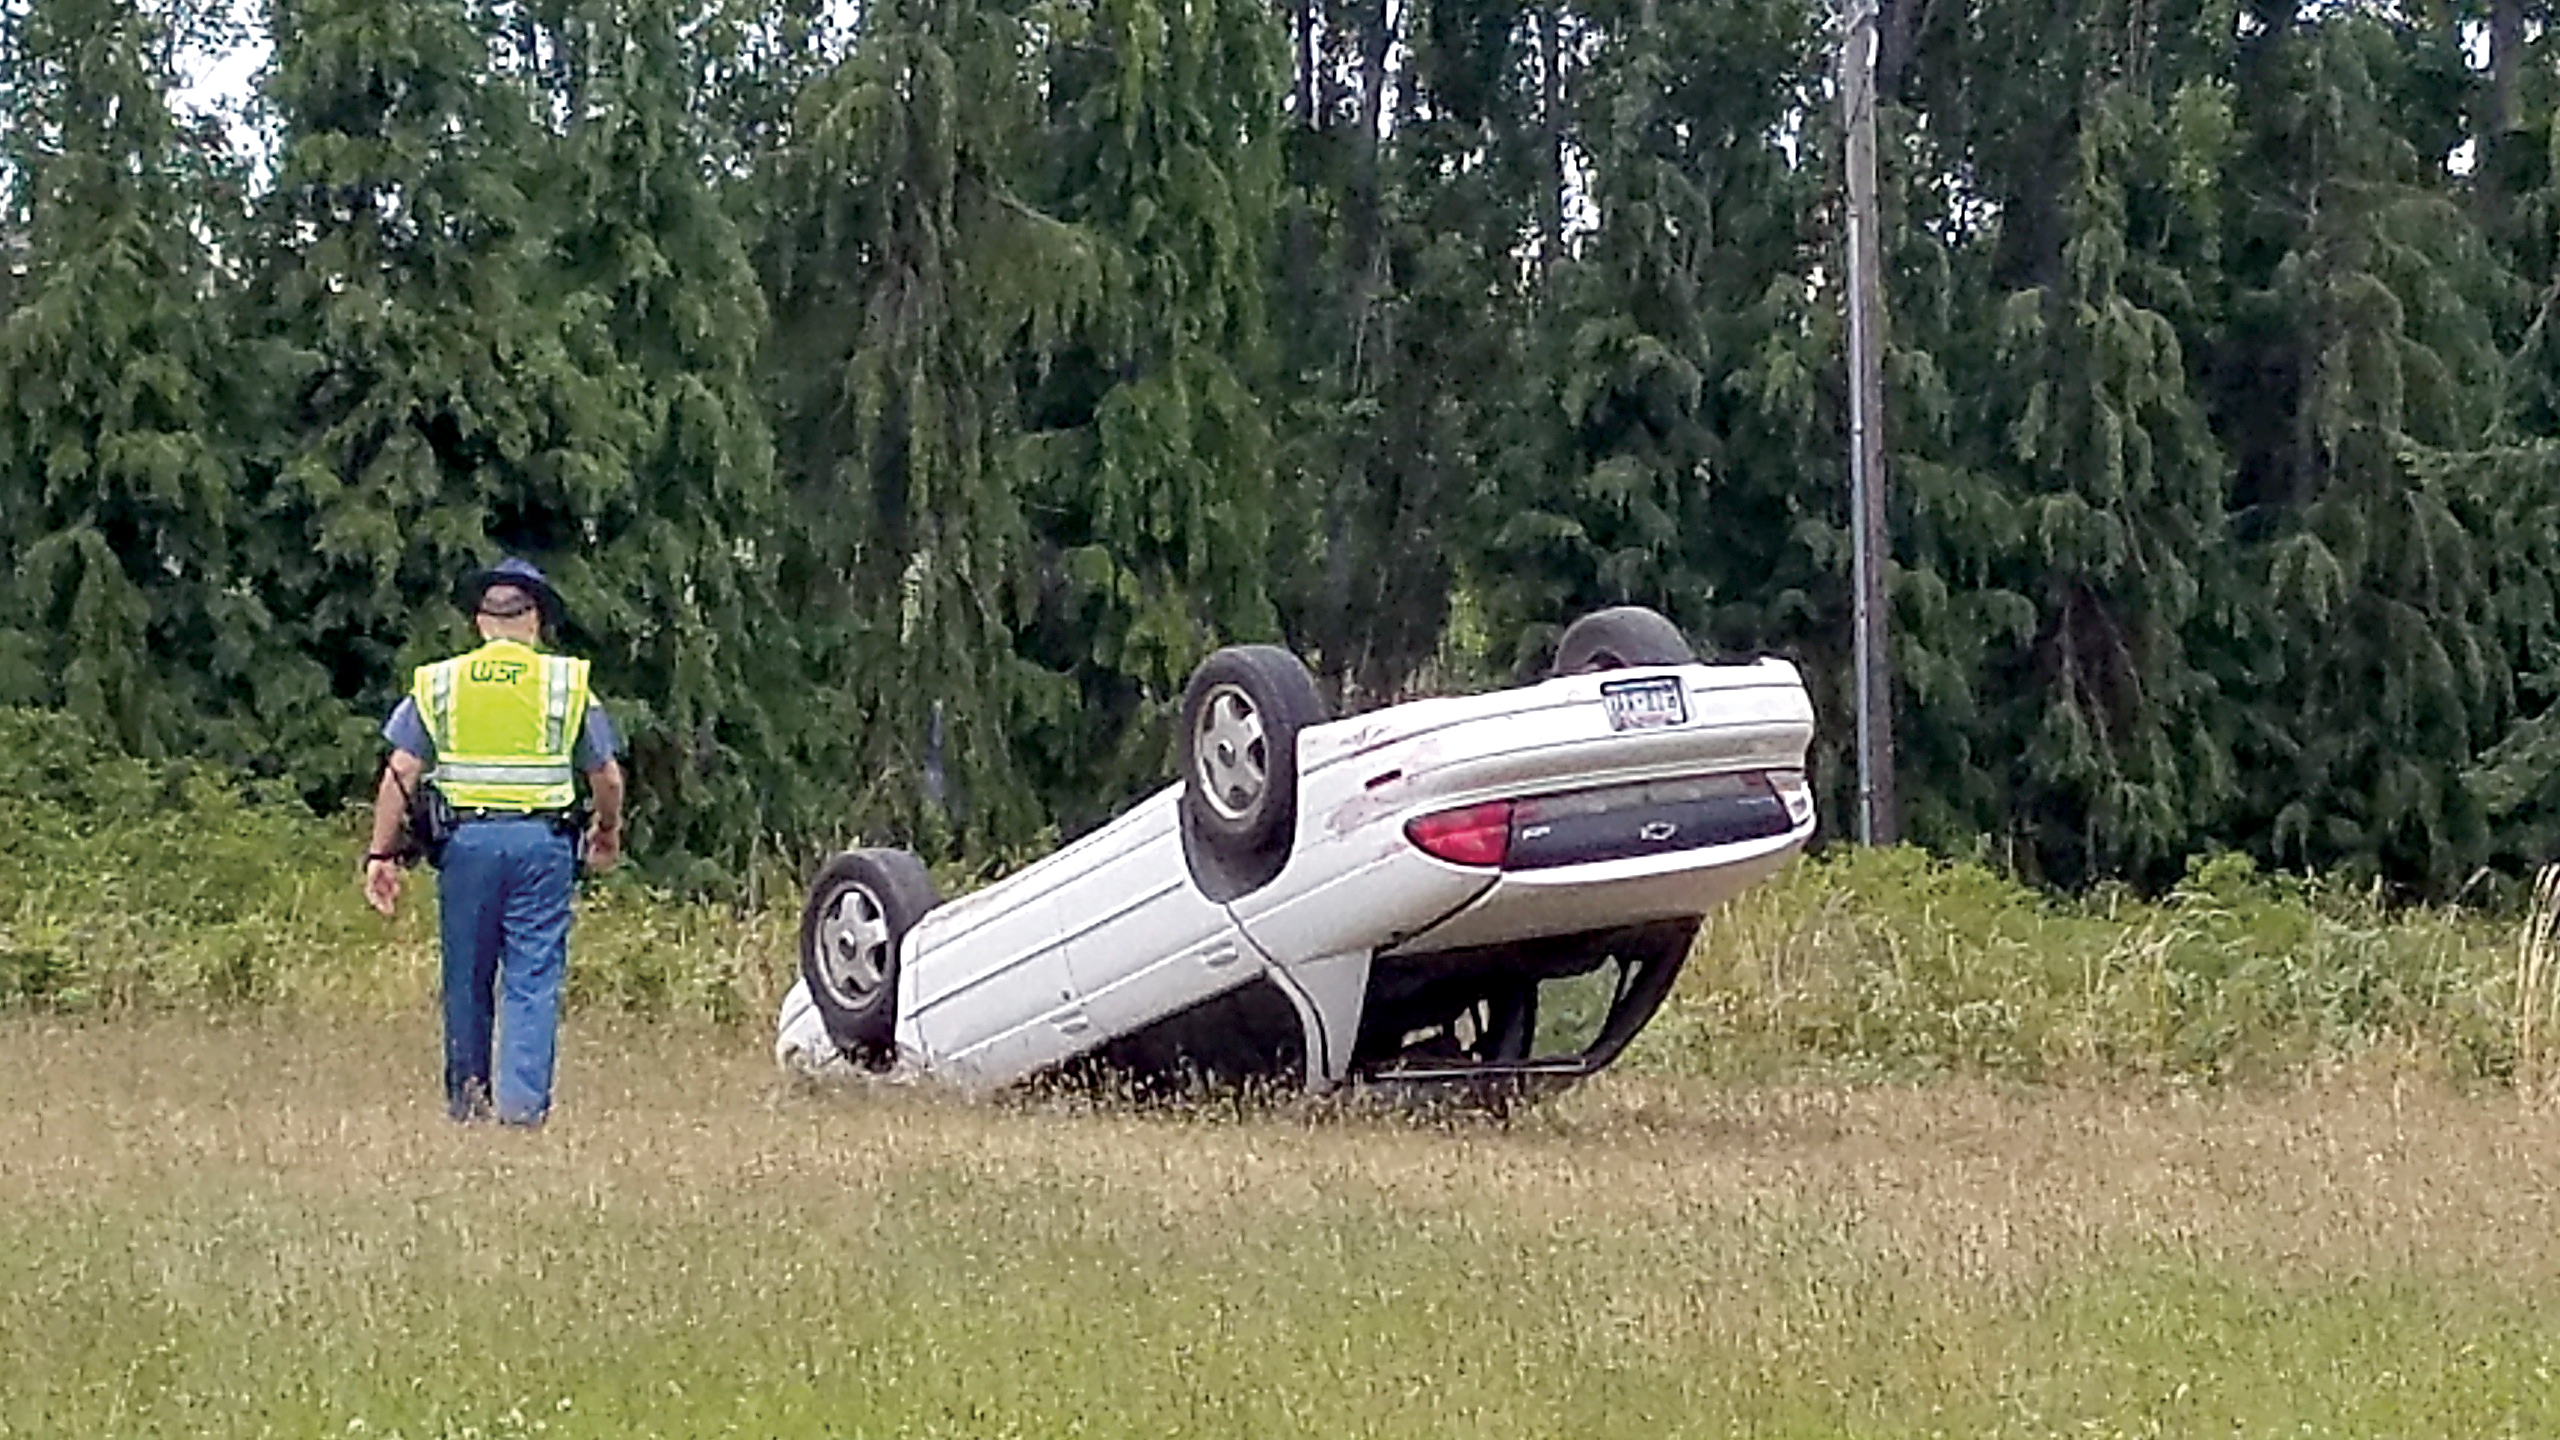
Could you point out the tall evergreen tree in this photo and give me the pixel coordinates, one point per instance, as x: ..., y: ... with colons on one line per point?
x: 2113, y: 513
x: 1155, y: 491
x: 116, y: 490
x: 671, y: 517
x: 2361, y: 328
x: 416, y: 377
x: 1677, y: 450
x: 911, y: 279
x: 1398, y: 327
x: 2515, y: 482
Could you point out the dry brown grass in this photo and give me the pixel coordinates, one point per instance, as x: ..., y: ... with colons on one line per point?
x: 1767, y: 1257
x: 2537, y: 1000
x: 1973, y: 1179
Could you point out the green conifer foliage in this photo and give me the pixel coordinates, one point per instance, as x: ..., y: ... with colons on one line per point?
x: 2361, y: 327
x: 2114, y: 523
x: 907, y: 399
x: 910, y: 281
x: 1154, y: 493
x: 668, y: 536
x: 1397, y: 326
x: 1679, y: 449
x: 415, y: 383
x: 2512, y: 485
x: 116, y: 494
x: 752, y: 60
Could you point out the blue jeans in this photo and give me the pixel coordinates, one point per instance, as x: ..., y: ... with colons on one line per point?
x: 504, y: 903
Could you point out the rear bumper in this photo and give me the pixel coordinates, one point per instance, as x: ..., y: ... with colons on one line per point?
x: 1353, y: 881
x: 1572, y: 899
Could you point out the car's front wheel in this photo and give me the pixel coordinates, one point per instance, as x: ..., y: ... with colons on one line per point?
x: 1619, y: 637
x: 860, y: 909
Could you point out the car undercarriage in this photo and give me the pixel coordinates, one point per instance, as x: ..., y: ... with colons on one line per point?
x: 1520, y: 1016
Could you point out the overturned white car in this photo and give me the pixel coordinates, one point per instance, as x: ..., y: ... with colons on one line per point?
x: 1494, y: 888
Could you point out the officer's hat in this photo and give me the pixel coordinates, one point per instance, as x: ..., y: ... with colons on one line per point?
x: 522, y: 576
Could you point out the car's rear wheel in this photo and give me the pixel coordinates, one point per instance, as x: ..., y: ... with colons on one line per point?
x: 860, y: 909
x: 1241, y: 716
x: 1620, y: 637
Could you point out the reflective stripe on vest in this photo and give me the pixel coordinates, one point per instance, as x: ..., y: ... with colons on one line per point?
x: 504, y: 719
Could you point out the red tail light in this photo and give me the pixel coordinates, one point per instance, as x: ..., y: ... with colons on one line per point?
x: 1476, y: 835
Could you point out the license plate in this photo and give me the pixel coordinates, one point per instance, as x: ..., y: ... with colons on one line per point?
x: 1648, y: 704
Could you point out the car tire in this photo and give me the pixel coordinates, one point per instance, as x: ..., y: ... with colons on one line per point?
x: 1241, y: 715
x: 1620, y: 637
x: 859, y: 911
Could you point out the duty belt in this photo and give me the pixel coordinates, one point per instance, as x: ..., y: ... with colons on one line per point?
x: 462, y: 816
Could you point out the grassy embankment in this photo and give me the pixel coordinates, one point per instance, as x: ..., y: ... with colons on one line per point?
x: 1914, y: 1153
x: 259, y: 1228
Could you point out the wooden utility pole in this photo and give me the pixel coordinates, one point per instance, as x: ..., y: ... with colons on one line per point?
x: 1869, y: 550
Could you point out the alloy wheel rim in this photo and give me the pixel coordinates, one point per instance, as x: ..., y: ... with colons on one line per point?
x: 1231, y: 755
x: 853, y: 946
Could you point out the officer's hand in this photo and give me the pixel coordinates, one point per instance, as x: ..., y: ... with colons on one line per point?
x: 382, y: 885
x: 604, y: 847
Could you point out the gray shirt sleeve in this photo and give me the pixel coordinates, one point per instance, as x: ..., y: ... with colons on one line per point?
x: 407, y: 730
x: 597, y: 741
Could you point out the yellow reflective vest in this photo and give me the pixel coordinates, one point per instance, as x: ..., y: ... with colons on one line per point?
x: 505, y: 721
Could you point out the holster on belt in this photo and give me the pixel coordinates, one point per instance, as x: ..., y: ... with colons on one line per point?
x: 572, y: 822
x: 431, y: 822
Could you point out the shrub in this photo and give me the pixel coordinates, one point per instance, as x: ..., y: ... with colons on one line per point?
x: 132, y: 882
x: 1890, y: 962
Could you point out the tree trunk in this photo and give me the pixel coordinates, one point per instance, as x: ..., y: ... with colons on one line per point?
x: 2506, y: 57
x: 1551, y: 142
x: 2496, y: 117
x: 1897, y: 32
x: 1368, y: 223
x: 1322, y: 54
x: 1302, y: 23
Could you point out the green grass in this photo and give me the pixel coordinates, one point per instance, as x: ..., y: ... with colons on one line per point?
x: 128, y: 884
x: 264, y: 1229
x: 1913, y: 1151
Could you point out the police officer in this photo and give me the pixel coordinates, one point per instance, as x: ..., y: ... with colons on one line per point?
x: 501, y: 733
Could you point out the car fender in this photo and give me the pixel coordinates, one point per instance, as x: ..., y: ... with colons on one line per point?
x: 1328, y: 993
x: 801, y: 1044
x: 1364, y: 888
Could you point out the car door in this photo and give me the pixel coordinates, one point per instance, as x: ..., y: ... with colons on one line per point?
x: 984, y: 992
x: 1142, y: 941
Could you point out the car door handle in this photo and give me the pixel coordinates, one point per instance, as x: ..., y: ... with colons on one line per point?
x: 1075, y: 1022
x: 1223, y: 955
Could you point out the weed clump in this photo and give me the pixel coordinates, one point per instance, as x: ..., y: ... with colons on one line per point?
x: 1890, y: 963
